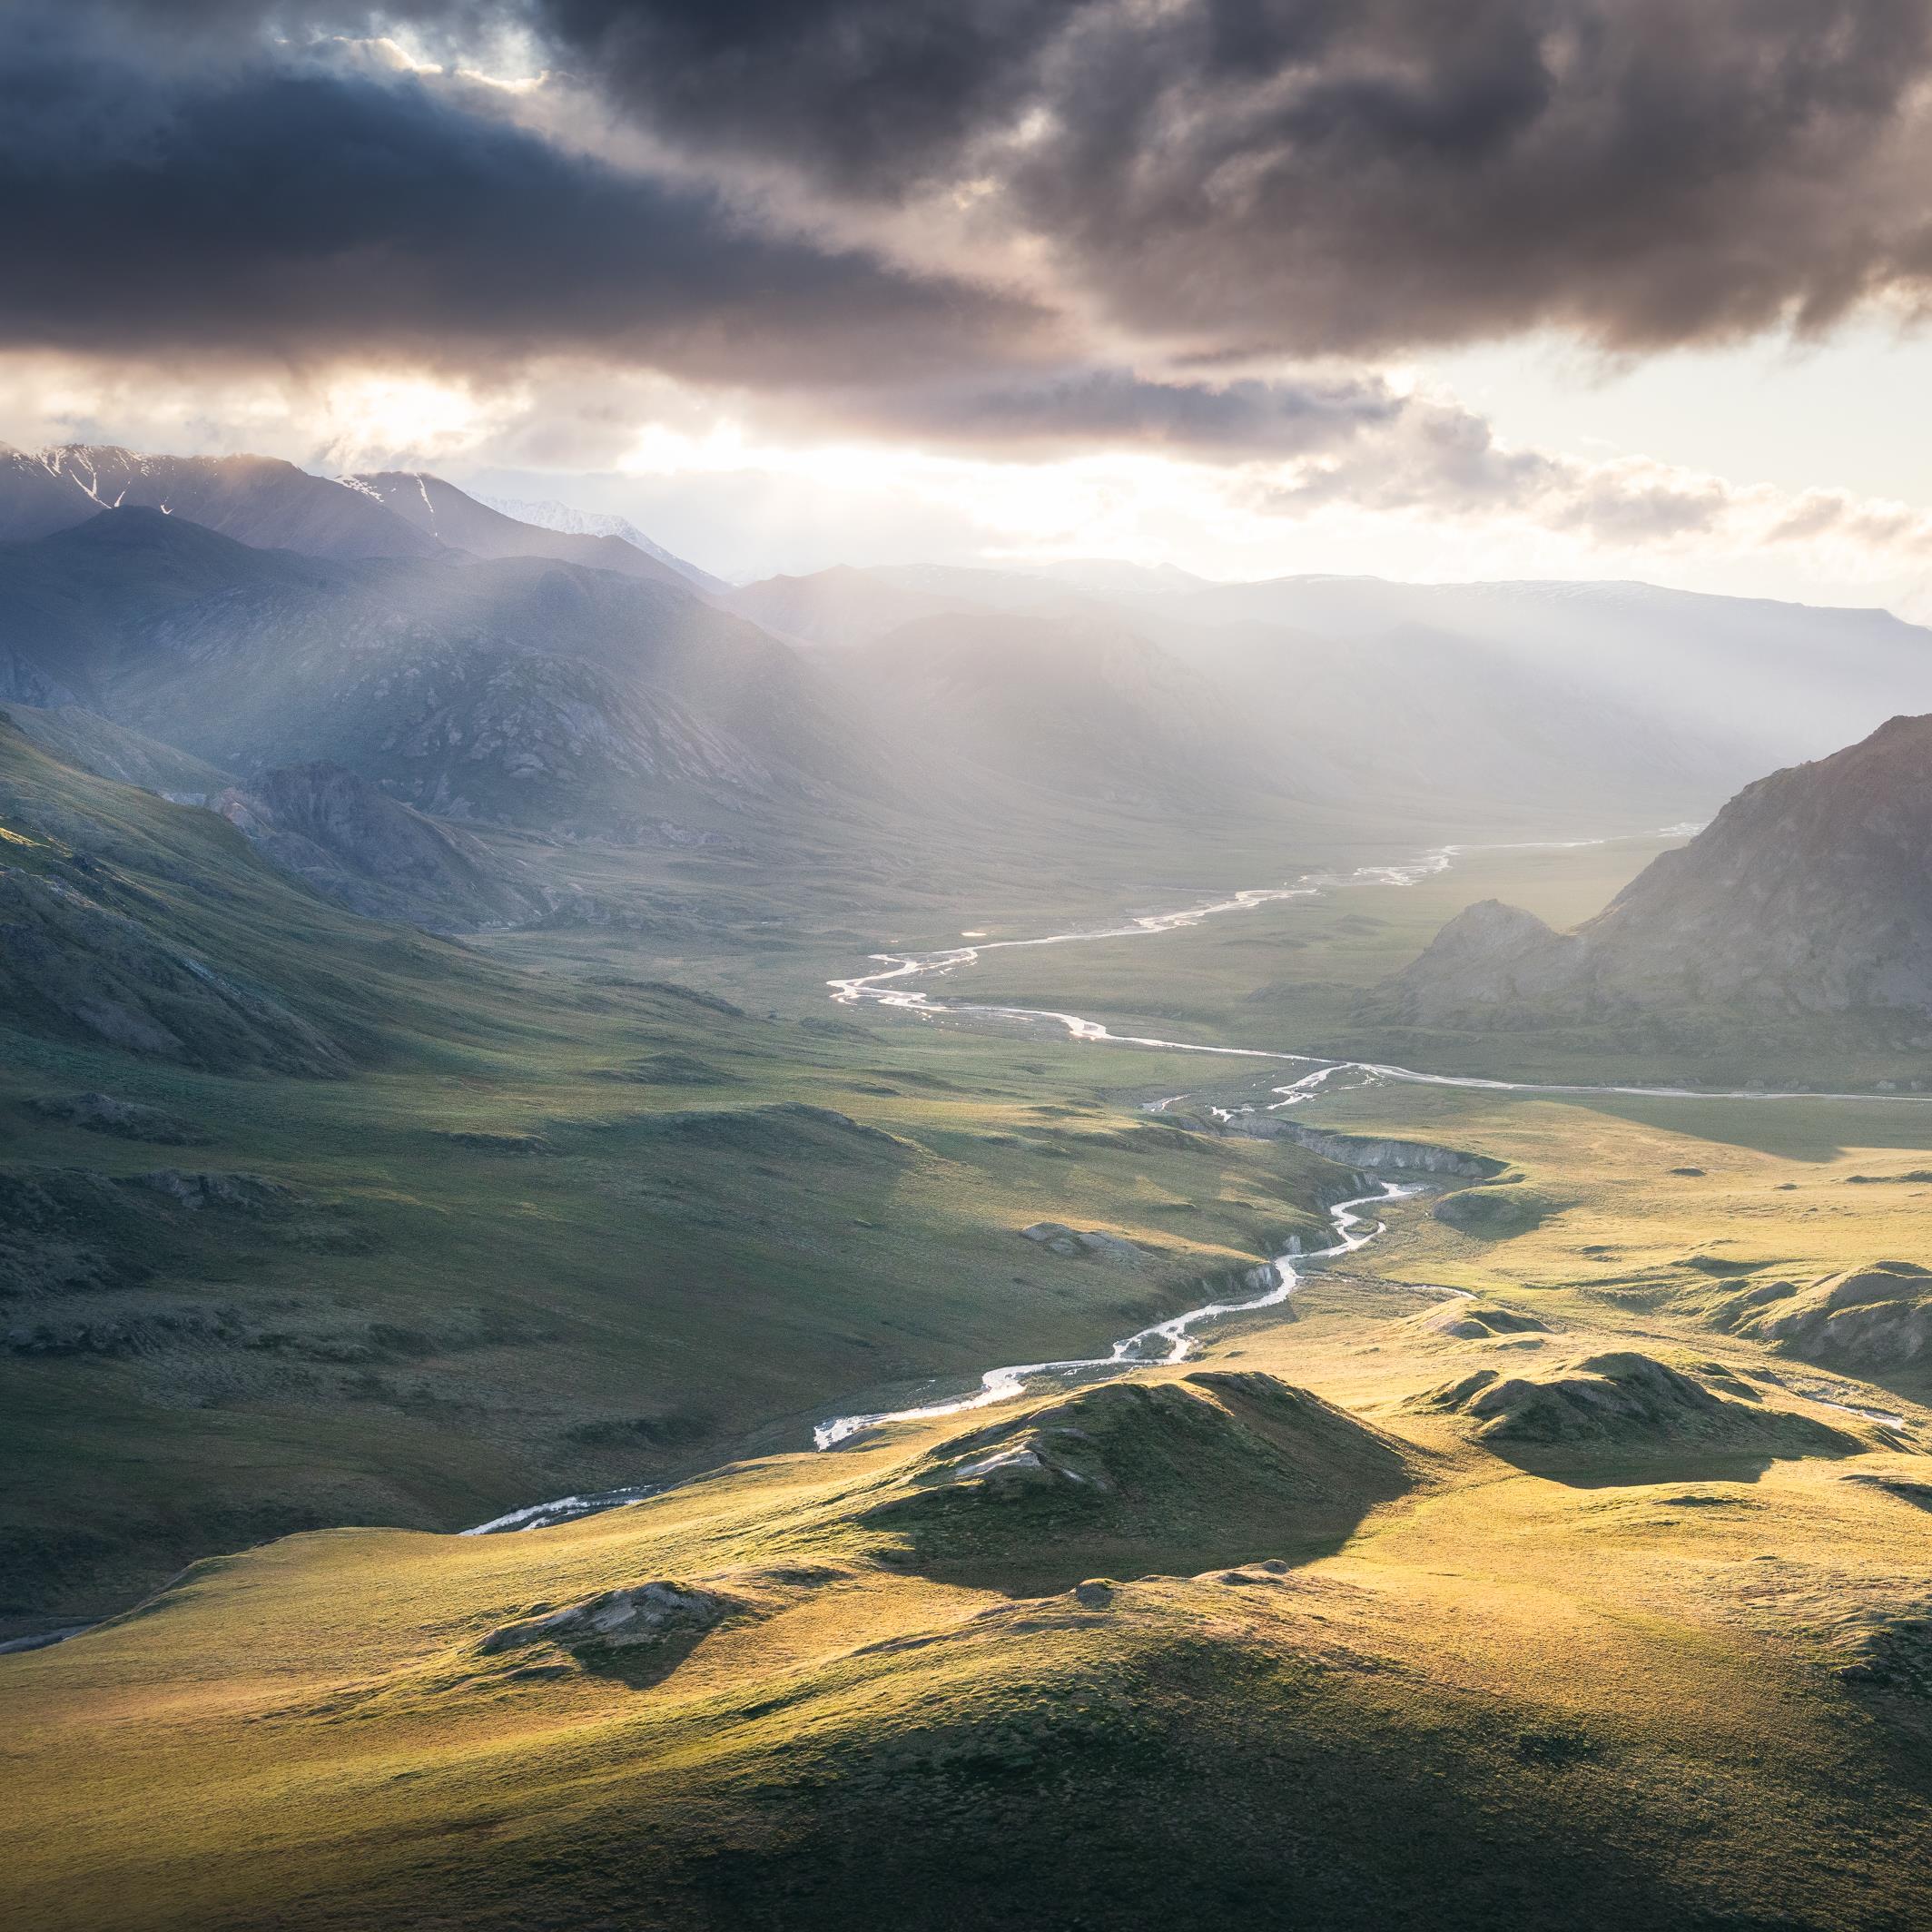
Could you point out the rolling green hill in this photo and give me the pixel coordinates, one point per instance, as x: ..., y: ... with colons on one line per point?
x: 455, y: 1235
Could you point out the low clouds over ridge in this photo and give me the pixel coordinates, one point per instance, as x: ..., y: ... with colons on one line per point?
x: 1005, y: 228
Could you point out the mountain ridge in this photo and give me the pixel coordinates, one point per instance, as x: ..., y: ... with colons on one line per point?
x: 1807, y: 895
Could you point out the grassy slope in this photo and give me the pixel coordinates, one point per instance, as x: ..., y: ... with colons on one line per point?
x: 1555, y: 1693
x: 1552, y: 1690
x: 437, y: 1329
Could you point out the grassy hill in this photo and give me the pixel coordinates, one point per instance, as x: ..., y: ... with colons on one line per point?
x: 1524, y: 1569
x: 1277, y: 1636
x: 448, y: 1235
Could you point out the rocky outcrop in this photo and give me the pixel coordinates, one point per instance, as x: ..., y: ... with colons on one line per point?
x: 352, y: 844
x: 105, y: 1113
x: 646, y: 1613
x: 239, y: 1193
x: 1631, y: 1402
x: 1059, y: 1239
x: 1808, y: 894
x: 1879, y: 1315
x: 70, y: 1230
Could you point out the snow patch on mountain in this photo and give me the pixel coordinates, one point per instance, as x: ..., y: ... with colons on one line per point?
x: 547, y: 514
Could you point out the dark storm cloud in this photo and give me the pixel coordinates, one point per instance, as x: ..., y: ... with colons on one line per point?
x: 1206, y: 179
x: 1215, y: 422
x: 872, y: 95
x: 1345, y: 174
x: 303, y: 210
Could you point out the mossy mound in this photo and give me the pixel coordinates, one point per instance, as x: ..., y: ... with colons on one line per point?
x: 1880, y: 1315
x: 1472, y: 1321
x: 1631, y: 1402
x: 1135, y: 1476
x: 1494, y: 1214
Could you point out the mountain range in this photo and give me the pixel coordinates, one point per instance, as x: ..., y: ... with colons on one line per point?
x: 517, y: 689
x: 1574, y: 704
x: 275, y: 505
x: 564, y: 676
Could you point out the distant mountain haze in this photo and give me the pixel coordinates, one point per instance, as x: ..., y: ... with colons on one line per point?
x: 547, y: 514
x: 518, y: 689
x: 1809, y: 893
x: 460, y: 522
x: 838, y: 607
x: 1594, y: 705
x: 1084, y: 704
x: 272, y: 505
x: 1776, y: 681
x: 574, y: 680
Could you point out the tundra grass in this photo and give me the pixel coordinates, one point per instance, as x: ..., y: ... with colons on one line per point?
x: 586, y: 1236
x: 1636, y: 1692
x: 544, y: 1235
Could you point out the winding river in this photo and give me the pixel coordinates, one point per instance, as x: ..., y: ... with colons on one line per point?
x: 897, y: 985
x: 1167, y: 1341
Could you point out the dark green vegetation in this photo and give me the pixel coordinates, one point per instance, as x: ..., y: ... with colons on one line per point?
x: 454, y: 1236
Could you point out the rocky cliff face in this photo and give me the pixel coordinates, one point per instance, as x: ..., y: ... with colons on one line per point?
x: 351, y: 843
x: 1811, y: 893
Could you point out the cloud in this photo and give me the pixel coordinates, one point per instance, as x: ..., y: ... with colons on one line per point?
x: 312, y: 209
x: 1036, y: 229
x: 870, y: 96
x: 1341, y: 175
x: 1286, y: 177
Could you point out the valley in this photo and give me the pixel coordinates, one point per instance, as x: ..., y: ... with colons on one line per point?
x: 1314, y: 1582
x: 892, y: 1174
x: 965, y: 967
x: 1445, y: 1541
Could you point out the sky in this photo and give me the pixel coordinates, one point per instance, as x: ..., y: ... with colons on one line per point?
x: 1515, y: 287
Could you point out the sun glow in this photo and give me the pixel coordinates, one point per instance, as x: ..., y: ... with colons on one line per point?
x: 372, y: 418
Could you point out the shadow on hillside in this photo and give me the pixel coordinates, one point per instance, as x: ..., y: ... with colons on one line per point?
x: 1131, y: 1478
